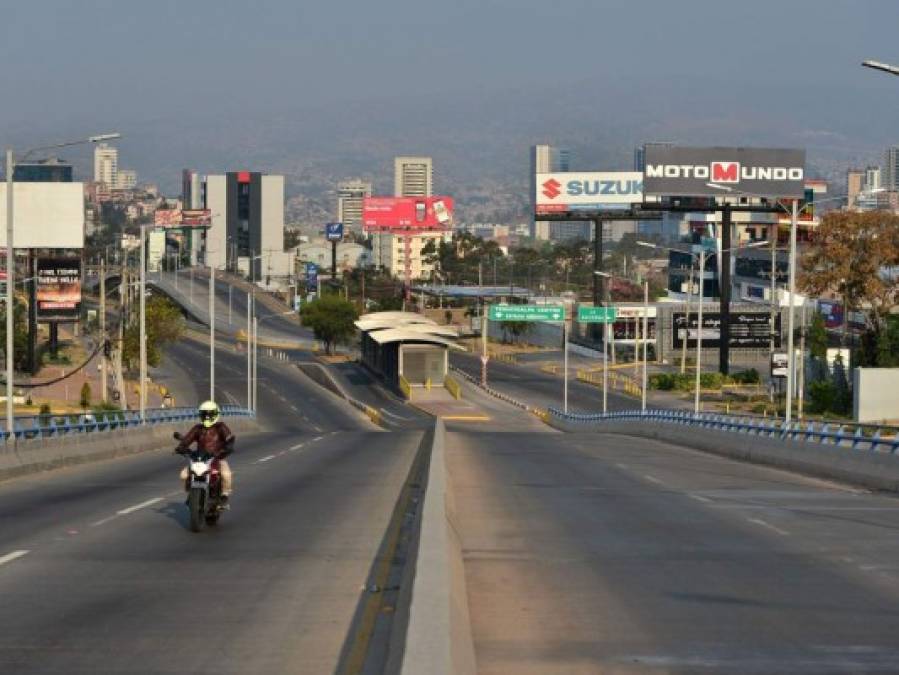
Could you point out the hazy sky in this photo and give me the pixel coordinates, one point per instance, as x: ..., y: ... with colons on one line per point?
x: 86, y: 65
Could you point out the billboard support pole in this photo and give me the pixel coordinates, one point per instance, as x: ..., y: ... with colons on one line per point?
x: 333, y: 260
x: 143, y: 323
x: 791, y: 357
x: 724, y: 291
x: 10, y: 285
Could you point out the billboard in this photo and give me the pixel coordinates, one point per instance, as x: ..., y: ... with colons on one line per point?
x: 564, y: 192
x: 58, y: 292
x: 672, y: 171
x: 182, y: 218
x: 311, y: 276
x: 748, y: 330
x: 385, y: 214
x: 155, y: 249
x: 45, y: 215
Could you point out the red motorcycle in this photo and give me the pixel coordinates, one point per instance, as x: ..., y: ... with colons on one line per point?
x: 204, y: 487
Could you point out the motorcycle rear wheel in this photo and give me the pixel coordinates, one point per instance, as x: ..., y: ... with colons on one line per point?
x: 197, y: 505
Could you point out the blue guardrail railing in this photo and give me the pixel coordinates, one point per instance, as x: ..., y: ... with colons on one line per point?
x: 39, y: 426
x: 855, y: 437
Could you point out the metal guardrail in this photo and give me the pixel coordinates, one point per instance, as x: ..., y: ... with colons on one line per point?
x: 539, y: 412
x: 826, y: 434
x: 55, y: 425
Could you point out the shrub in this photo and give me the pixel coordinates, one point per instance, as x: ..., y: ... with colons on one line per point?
x: 822, y: 396
x: 750, y: 376
x: 711, y: 380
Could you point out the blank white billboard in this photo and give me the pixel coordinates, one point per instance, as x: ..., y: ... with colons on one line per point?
x: 45, y: 215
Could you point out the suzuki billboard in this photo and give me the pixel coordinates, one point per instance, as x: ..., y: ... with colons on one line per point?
x: 703, y: 172
x: 565, y: 192
x: 385, y: 214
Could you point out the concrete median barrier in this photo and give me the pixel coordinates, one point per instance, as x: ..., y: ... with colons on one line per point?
x: 34, y: 455
x: 438, y: 639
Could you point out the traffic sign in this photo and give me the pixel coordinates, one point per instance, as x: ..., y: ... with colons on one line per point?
x: 334, y: 231
x: 597, y: 314
x: 527, y: 313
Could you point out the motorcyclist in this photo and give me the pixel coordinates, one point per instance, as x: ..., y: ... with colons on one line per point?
x: 213, y: 436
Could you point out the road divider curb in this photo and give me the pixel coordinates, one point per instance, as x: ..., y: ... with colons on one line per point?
x: 438, y: 639
x: 320, y: 375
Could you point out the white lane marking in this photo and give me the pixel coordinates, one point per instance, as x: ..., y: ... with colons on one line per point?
x: 318, y: 429
x: 104, y: 521
x: 294, y: 408
x: 317, y: 438
x: 297, y: 446
x: 394, y: 416
x: 137, y: 507
x: 759, y: 521
x: 9, y: 557
x: 700, y: 498
x: 621, y: 466
x: 265, y: 459
x: 652, y: 479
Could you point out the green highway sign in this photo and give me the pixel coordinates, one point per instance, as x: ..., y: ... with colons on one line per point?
x: 597, y: 314
x: 527, y: 313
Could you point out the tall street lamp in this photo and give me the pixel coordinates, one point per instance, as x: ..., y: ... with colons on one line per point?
x: 878, y: 65
x: 11, y: 261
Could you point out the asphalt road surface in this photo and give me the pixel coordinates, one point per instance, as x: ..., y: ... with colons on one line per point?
x: 592, y: 553
x: 99, y: 573
x: 534, y: 387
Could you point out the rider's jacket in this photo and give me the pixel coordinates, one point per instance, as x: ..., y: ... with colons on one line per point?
x: 211, y: 440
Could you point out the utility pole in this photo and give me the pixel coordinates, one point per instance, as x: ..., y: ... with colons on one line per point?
x: 772, y: 319
x: 699, y: 331
x: 103, y: 336
x: 645, y: 339
x: 724, y: 348
x: 10, y: 297
x: 255, y: 360
x: 683, y: 354
x: 565, y: 365
x: 211, y: 329
x: 143, y: 323
x: 484, y: 356
x: 249, y: 351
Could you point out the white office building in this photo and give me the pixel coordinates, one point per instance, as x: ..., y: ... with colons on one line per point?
x: 349, y: 202
x: 391, y: 253
x: 106, y: 165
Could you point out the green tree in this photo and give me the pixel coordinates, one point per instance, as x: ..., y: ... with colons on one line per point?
x: 516, y: 329
x: 817, y: 338
x: 85, y: 396
x: 164, y: 324
x: 331, y: 319
x: 20, y: 333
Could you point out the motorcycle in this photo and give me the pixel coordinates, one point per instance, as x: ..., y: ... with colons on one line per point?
x: 204, y: 488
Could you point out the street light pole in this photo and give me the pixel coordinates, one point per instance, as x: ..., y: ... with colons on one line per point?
x: 249, y: 351
x: 211, y: 329
x: 646, y: 339
x: 794, y: 217
x: 699, y: 330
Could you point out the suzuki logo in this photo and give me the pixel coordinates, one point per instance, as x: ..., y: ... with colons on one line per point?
x: 551, y: 188
x: 725, y: 172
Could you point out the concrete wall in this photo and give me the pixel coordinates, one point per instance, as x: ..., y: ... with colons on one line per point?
x: 42, y: 454
x: 217, y: 235
x: 876, y: 394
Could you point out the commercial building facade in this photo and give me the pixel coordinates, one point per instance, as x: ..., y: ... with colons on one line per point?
x: 413, y: 176
x: 545, y: 159
x: 51, y: 170
x: 247, y: 215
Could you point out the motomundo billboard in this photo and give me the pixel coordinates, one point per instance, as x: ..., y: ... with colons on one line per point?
x: 383, y: 214
x: 564, y: 192
x: 58, y: 292
x: 686, y: 172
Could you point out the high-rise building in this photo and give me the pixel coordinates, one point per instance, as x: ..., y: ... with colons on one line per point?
x: 872, y: 178
x: 350, y: 194
x: 191, y: 190
x: 855, y: 179
x: 890, y: 170
x: 545, y: 159
x: 413, y: 177
x: 50, y: 170
x: 247, y: 212
x: 106, y: 165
